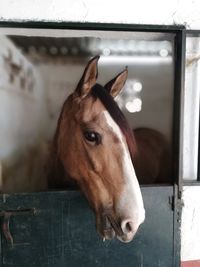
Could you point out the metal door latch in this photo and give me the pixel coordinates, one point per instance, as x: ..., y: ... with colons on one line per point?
x: 6, y: 221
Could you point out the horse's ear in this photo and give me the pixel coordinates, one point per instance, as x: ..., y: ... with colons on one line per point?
x: 89, y: 78
x: 115, y: 85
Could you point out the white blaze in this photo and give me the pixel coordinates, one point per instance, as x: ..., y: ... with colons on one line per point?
x: 130, y: 203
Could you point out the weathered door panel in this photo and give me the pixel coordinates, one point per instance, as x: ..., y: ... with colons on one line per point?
x: 62, y: 233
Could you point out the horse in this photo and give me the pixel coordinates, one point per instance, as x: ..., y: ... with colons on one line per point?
x: 94, y: 148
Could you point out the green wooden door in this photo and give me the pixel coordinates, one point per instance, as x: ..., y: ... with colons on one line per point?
x: 62, y: 233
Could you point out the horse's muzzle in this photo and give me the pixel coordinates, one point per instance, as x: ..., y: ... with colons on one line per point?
x: 110, y: 227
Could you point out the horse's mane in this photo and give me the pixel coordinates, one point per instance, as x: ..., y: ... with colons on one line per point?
x: 110, y: 104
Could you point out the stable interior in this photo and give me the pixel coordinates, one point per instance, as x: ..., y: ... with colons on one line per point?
x: 40, y: 68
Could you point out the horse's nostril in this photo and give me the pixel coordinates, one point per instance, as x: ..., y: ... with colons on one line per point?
x: 127, y: 226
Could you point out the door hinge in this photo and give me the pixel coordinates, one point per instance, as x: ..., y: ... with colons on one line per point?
x: 172, y: 202
x: 6, y: 214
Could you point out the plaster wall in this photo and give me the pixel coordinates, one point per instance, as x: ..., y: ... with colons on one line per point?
x: 22, y: 104
x: 138, y: 12
x: 190, y: 230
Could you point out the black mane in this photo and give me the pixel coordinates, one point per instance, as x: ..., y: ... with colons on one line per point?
x: 109, y: 103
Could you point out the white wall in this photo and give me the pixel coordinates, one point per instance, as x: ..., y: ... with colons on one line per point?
x: 127, y: 11
x: 23, y: 122
x: 59, y: 80
x: 190, y: 229
x: 22, y: 109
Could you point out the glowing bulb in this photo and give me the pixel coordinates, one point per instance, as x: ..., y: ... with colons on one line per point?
x: 134, y: 106
x: 163, y: 52
x: 106, y: 51
x: 137, y: 87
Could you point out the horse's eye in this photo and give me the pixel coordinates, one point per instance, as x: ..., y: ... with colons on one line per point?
x: 92, y: 137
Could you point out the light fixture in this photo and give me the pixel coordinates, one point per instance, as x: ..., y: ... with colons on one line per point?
x: 163, y: 52
x: 106, y: 51
x: 137, y: 87
x: 134, y: 106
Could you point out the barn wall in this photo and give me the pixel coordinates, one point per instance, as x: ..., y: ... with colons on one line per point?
x: 59, y: 80
x: 190, y: 236
x: 23, y: 119
x: 21, y: 99
x: 127, y: 11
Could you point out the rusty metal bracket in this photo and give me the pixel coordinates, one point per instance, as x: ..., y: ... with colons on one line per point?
x: 6, y: 221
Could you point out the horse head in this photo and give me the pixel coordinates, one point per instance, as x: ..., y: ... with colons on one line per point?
x: 96, y: 146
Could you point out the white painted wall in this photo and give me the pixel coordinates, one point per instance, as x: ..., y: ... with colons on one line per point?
x: 190, y: 229
x: 59, y: 80
x: 191, y: 110
x: 127, y: 11
x: 23, y: 122
x: 22, y: 112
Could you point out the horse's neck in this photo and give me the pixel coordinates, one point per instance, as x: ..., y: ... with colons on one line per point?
x: 57, y: 175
